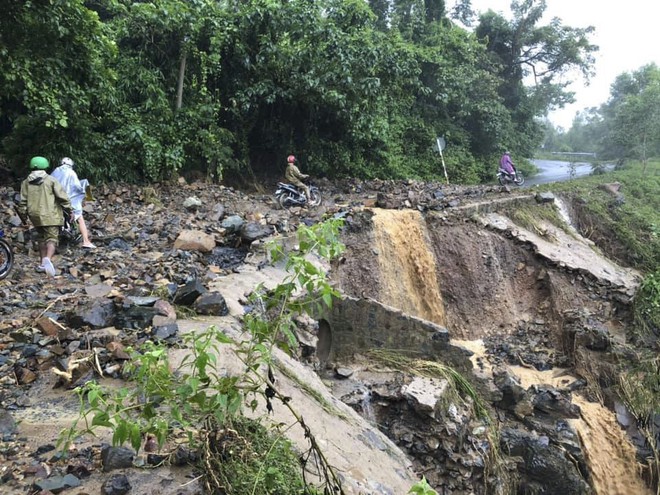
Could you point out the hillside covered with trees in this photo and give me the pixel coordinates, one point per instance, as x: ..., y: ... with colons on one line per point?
x: 144, y: 90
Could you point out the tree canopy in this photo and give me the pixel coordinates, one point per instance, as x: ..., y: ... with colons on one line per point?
x: 625, y: 127
x: 145, y: 90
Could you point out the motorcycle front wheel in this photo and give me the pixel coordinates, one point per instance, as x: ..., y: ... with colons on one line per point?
x: 519, y: 180
x: 6, y: 258
x: 315, y: 197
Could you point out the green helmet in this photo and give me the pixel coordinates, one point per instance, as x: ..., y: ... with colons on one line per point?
x: 39, y: 162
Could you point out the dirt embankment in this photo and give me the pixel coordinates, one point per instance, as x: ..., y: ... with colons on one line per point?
x: 539, y: 300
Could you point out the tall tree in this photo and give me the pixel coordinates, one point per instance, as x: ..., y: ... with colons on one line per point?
x: 633, y: 115
x: 532, y: 60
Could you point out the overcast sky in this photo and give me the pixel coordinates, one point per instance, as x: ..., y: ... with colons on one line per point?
x: 626, y: 33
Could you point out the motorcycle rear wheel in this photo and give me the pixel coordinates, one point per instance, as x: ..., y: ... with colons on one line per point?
x: 6, y: 258
x: 284, y: 200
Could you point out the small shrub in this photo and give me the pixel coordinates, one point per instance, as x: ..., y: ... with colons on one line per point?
x: 422, y: 487
x: 247, y: 458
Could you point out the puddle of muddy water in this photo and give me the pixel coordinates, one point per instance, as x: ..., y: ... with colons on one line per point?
x: 51, y: 410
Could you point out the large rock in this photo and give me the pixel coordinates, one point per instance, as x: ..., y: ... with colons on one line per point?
x: 512, y: 391
x: 136, y: 317
x: 192, y: 203
x: 194, y: 240
x: 218, y: 212
x: 425, y: 394
x: 554, y: 403
x: 387, y: 201
x: 57, y: 484
x: 118, y: 484
x: 7, y: 423
x: 188, y: 293
x: 585, y: 331
x: 99, y: 313
x: 211, y: 303
x: 543, y: 467
x: 233, y: 223
x: 253, y: 231
x: 545, y: 197
x: 116, y: 458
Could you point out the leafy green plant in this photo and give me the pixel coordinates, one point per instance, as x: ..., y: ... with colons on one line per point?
x: 422, y: 487
x: 199, y: 399
x: 253, y: 460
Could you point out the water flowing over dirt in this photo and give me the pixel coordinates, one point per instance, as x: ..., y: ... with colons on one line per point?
x: 407, y: 265
x: 509, y: 297
x: 610, y: 455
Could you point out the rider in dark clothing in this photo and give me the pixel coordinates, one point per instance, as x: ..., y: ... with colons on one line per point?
x: 295, y: 176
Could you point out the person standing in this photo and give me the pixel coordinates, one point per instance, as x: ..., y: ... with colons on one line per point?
x: 75, y: 188
x: 43, y: 202
x: 295, y: 176
x: 507, y: 165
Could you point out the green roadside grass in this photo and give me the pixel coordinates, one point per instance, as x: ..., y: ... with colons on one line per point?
x: 631, y: 222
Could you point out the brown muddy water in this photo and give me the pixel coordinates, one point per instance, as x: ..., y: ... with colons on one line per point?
x: 407, y: 264
x: 610, y: 455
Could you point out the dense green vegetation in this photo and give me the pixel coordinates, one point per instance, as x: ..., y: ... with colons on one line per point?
x: 627, y: 228
x: 138, y: 90
x: 626, y: 127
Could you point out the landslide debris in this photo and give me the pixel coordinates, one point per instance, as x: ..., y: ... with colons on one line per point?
x: 161, y: 250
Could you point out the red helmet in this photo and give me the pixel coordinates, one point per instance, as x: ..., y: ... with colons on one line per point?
x: 291, y: 159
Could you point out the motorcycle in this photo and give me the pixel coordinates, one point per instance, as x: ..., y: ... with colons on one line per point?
x: 69, y: 232
x: 505, y: 178
x: 6, y: 256
x: 289, y: 195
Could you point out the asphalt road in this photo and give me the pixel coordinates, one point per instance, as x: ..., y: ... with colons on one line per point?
x: 556, y: 171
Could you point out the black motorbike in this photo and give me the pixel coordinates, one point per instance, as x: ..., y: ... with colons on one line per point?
x: 69, y: 232
x: 505, y: 178
x: 289, y: 195
x: 6, y: 256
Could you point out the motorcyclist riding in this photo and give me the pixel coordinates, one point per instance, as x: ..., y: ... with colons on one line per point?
x: 506, y: 164
x: 295, y: 176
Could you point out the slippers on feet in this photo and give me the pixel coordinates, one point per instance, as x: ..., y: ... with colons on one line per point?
x: 48, y: 267
x: 89, y: 246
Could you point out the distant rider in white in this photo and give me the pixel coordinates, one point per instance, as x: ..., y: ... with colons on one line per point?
x: 75, y: 188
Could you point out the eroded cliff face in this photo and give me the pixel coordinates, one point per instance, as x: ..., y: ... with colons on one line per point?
x: 517, y: 300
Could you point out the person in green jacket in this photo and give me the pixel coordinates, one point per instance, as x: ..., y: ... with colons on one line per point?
x: 43, y: 202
